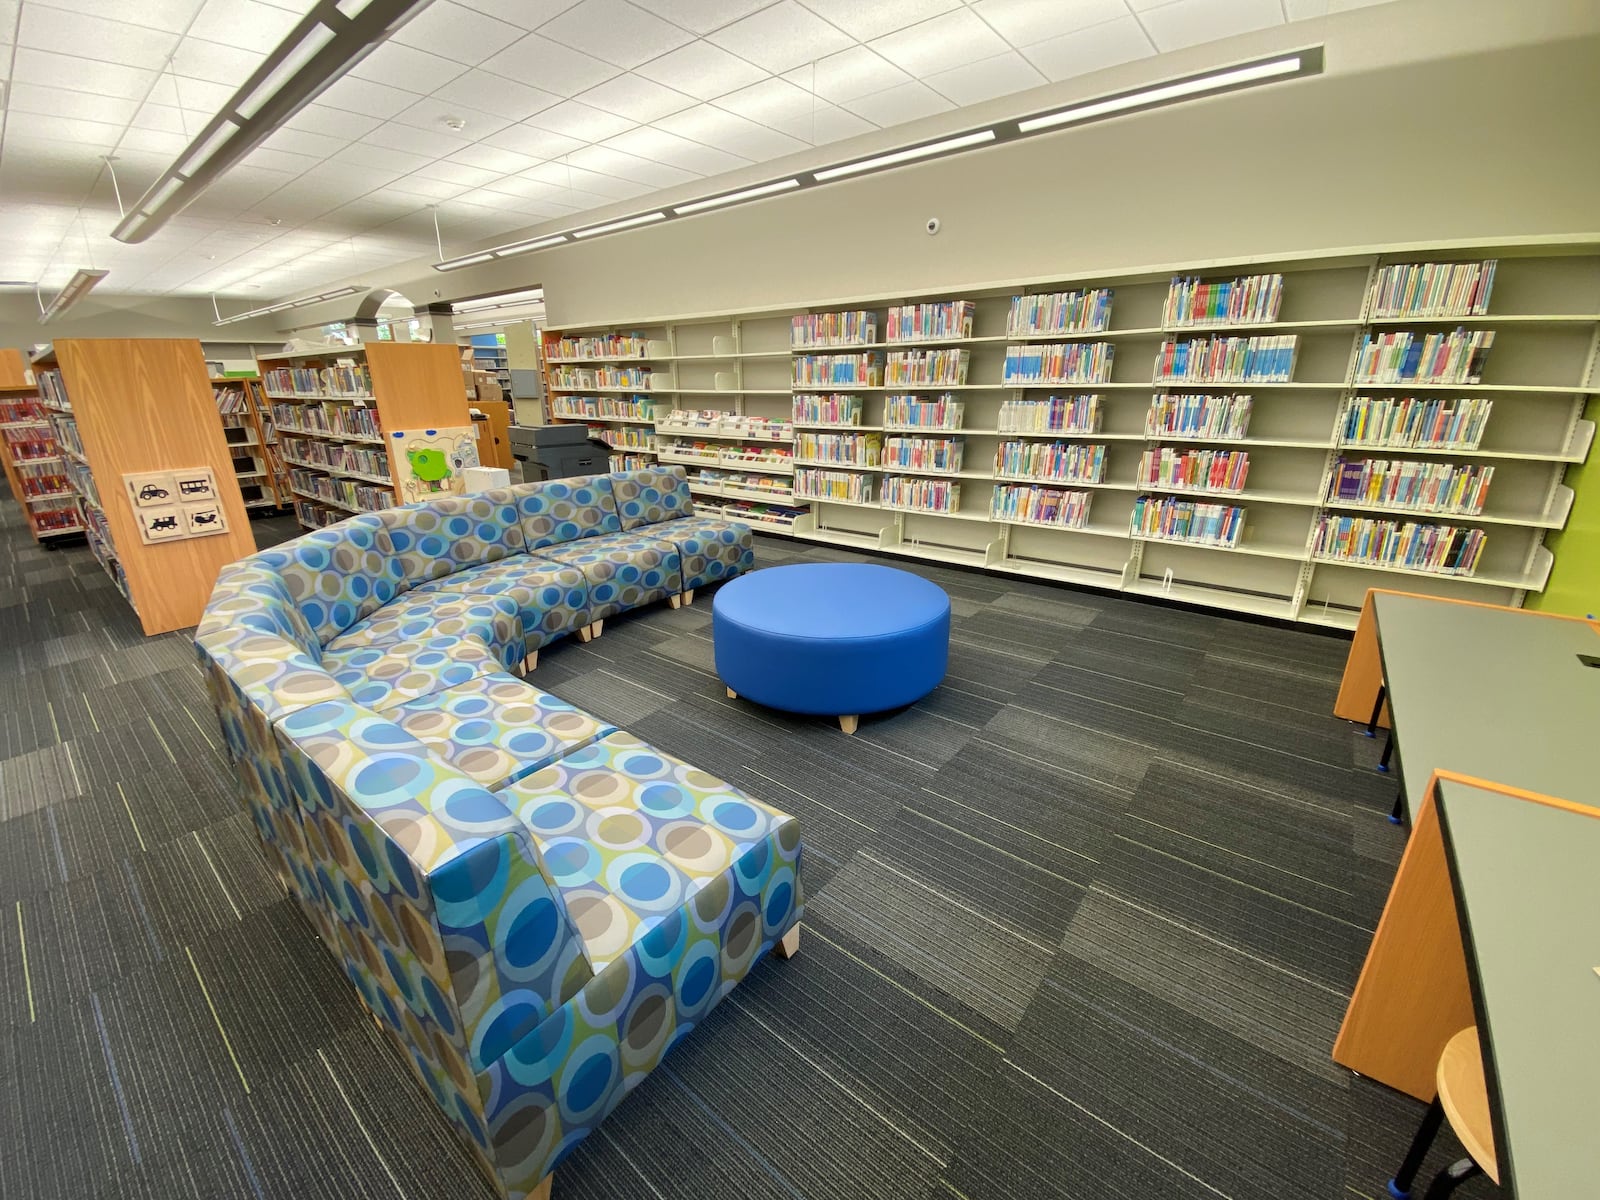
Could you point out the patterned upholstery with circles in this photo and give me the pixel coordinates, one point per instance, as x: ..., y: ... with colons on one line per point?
x: 534, y: 905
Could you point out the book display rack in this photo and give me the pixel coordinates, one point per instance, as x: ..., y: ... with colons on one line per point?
x: 32, y: 461
x: 331, y: 410
x: 1271, y: 439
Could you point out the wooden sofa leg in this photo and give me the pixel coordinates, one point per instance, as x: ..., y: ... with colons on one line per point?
x: 676, y: 601
x: 848, y: 724
x: 789, y: 945
x: 732, y: 695
x: 589, y: 632
x: 541, y: 1190
x: 530, y: 663
x: 594, y: 630
x: 688, y: 597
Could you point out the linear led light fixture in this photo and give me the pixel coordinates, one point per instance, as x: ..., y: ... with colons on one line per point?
x: 287, y: 304
x: 964, y: 141
x: 1182, y: 89
x: 76, y: 289
x: 613, y: 226
x: 504, y: 300
x: 1293, y: 65
x: 330, y: 39
x: 766, y: 189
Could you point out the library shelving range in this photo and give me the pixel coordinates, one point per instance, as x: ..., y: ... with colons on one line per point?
x: 252, y: 439
x: 30, y: 457
x: 489, y: 354
x: 335, y: 409
x: 134, y: 406
x: 1271, y: 438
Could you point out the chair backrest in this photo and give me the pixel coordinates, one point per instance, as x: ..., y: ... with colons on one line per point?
x: 338, y: 575
x: 566, y: 510
x: 435, y: 538
x: 651, y: 495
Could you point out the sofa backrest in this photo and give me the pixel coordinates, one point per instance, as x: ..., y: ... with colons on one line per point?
x: 565, y: 510
x: 435, y: 538
x: 439, y: 886
x: 338, y: 575
x: 651, y: 495
x: 249, y: 595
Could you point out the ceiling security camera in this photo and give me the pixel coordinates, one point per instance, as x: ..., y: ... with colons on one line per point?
x: 933, y: 226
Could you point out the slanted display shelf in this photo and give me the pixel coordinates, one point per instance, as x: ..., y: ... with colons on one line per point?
x: 1270, y: 439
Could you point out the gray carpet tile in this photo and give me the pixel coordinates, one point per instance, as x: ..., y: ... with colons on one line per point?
x: 1082, y: 923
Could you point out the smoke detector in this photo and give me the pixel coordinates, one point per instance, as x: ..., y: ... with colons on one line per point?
x: 457, y: 124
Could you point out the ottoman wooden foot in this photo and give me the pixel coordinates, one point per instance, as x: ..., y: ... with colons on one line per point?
x: 732, y: 695
x: 676, y: 601
x: 530, y: 663
x: 789, y: 945
x: 589, y: 632
x: 688, y: 597
x: 541, y: 1190
x: 848, y: 724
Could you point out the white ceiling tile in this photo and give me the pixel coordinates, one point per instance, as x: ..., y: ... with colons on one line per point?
x: 494, y: 94
x: 526, y: 14
x: 97, y: 38
x: 434, y: 143
x: 332, y: 122
x: 835, y: 124
x: 246, y: 24
x: 457, y: 173
x: 549, y: 65
x: 168, y: 145
x: 975, y: 82
x: 171, y: 15
x: 73, y: 135
x: 368, y: 98
x: 627, y: 166
x: 1092, y: 49
x: 857, y: 71
x: 580, y: 121
x: 166, y: 118
x: 30, y: 97
x: 781, y: 37
x: 279, y: 160
x: 494, y: 159
x: 1191, y: 22
x: 1024, y: 22
x: 433, y: 113
x: 636, y: 98
x: 702, y: 70
x: 420, y: 185
x: 867, y: 21
x: 1305, y: 10
x: 538, y: 143
x: 712, y: 126
x: 897, y: 105
x: 80, y: 75
x: 196, y: 58
x: 777, y: 104
x: 192, y: 96
x: 658, y: 145
x: 940, y: 44
x: 615, y: 31
x: 407, y: 67
x: 702, y: 16
x: 456, y: 32
x: 569, y: 180
x: 522, y: 186
x: 300, y: 141
x: 359, y: 154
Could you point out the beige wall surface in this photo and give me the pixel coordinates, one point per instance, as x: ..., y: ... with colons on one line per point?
x: 113, y: 316
x: 1435, y: 120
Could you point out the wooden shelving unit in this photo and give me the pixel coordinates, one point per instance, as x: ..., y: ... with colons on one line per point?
x: 345, y: 418
x: 122, y: 406
x: 30, y: 457
x: 252, y: 440
x: 1540, y: 376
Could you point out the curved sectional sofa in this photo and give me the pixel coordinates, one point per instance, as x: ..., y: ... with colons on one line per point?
x: 535, y: 904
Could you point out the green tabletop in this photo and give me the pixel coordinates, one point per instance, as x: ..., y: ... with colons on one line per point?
x: 1528, y: 891
x: 1493, y: 693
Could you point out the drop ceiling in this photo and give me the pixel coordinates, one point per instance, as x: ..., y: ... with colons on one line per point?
x: 493, y: 115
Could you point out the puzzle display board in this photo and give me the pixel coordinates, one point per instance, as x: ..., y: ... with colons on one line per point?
x: 428, y: 463
x: 173, y: 505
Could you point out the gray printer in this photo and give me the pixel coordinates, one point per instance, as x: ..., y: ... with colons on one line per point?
x: 558, y: 452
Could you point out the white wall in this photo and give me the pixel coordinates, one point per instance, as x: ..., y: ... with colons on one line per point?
x: 1435, y: 120
x: 125, y: 316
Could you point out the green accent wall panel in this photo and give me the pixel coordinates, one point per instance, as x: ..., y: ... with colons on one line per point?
x: 1574, y: 587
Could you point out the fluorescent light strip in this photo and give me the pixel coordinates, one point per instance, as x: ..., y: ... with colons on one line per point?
x: 284, y: 305
x: 524, y: 247
x: 629, y: 223
x: 504, y: 300
x: 1159, y: 95
x: 900, y: 156
x: 76, y: 288
x: 308, y: 48
x: 470, y: 260
x: 783, y: 185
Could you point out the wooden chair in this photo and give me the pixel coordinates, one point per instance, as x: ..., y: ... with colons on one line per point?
x: 1464, y: 1098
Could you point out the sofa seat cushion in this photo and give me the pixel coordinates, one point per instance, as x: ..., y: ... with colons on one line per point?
x: 630, y: 836
x: 496, y: 729
x: 710, y: 549
x: 383, y: 677
x: 415, y: 617
x: 566, y: 510
x: 651, y: 495
x: 436, y: 538
x: 553, y: 597
x: 623, y: 570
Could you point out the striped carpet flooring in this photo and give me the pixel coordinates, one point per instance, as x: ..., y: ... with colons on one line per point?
x: 1082, y: 924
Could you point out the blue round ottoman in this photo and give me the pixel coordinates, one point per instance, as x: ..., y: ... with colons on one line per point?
x: 836, y: 639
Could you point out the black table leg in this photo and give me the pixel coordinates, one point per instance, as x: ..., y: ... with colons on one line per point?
x: 1400, y: 1185
x: 1377, y: 708
x: 1452, y: 1177
x: 1388, y: 750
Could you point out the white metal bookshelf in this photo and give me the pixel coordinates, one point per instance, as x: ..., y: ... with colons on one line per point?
x: 1541, y: 376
